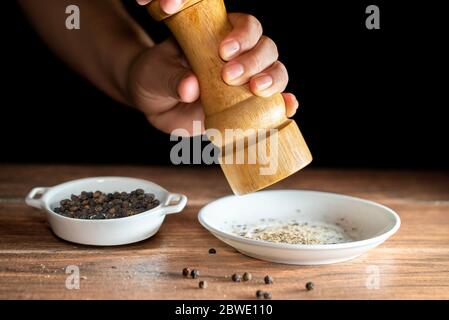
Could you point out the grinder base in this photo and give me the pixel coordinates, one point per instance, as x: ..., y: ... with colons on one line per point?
x: 292, y: 155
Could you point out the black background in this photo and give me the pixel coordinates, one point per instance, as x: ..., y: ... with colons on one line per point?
x: 369, y: 98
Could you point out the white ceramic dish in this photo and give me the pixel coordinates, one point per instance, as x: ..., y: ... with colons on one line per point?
x: 373, y: 224
x: 112, y: 231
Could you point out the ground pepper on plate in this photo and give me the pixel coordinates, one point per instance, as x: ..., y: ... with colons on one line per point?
x: 293, y: 232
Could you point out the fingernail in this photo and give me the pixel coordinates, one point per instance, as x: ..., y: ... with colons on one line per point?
x: 172, y: 7
x: 233, y: 71
x: 230, y: 48
x: 263, y: 82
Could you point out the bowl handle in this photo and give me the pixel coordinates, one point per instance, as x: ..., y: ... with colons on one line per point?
x: 180, y: 202
x: 36, y: 203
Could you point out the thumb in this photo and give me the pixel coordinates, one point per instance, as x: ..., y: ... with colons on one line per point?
x: 162, y: 78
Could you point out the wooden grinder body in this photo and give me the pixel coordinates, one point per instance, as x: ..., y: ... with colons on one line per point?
x: 199, y: 28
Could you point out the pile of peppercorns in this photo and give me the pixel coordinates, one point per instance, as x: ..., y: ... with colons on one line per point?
x: 99, y: 205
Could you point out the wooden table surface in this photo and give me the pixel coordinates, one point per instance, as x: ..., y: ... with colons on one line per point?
x: 413, y: 264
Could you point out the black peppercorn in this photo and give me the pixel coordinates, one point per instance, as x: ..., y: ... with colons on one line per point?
x: 309, y: 286
x: 247, y: 276
x: 98, y: 205
x: 202, y: 284
x: 267, y: 295
x: 236, y: 277
x: 268, y: 279
x: 259, y: 294
x: 185, y: 272
x: 194, y: 273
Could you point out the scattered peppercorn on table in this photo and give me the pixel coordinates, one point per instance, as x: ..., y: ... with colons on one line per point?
x: 35, y: 264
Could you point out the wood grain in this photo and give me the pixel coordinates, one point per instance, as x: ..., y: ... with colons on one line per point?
x: 413, y: 264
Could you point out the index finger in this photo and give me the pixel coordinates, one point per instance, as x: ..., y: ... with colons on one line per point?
x: 168, y: 6
x: 143, y: 2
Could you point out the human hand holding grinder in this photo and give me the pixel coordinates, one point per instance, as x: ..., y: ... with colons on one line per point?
x: 201, y: 28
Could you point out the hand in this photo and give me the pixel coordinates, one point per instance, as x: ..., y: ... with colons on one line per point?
x: 163, y: 86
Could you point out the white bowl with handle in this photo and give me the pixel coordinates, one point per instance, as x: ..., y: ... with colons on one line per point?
x: 368, y: 223
x: 107, y: 232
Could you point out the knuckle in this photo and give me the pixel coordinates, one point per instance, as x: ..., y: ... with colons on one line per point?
x: 252, y: 22
x: 251, y: 32
x: 255, y: 24
x: 282, y: 74
x: 255, y: 63
x: 282, y: 70
x: 270, y: 46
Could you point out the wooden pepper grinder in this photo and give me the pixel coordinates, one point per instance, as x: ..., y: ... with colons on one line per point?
x: 199, y: 27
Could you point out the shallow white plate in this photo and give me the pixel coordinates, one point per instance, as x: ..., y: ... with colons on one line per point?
x: 109, y: 232
x: 368, y: 223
